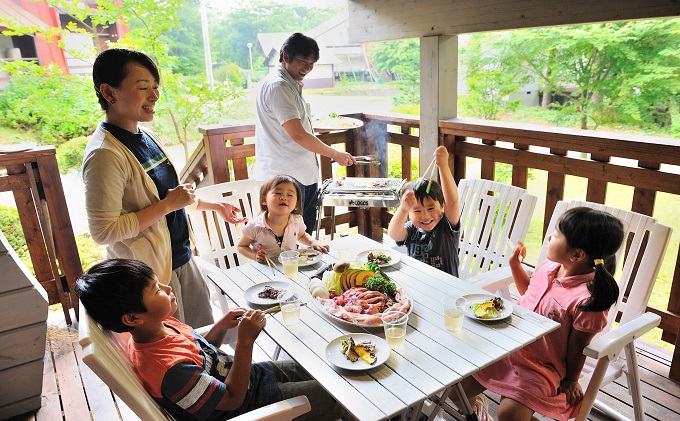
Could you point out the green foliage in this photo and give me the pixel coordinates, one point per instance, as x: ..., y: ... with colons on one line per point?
x: 232, y: 73
x: 229, y: 38
x: 70, y: 153
x: 401, y: 59
x: 11, y: 228
x: 407, y: 109
x: 57, y: 106
x: 489, y: 78
x: 89, y: 251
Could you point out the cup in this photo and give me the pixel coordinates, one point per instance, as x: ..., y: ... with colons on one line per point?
x: 395, y: 323
x: 290, y: 308
x: 346, y: 255
x: 454, y: 311
x: 289, y: 260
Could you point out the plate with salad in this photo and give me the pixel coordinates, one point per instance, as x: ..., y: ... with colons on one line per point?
x: 384, y: 258
x: 487, y: 307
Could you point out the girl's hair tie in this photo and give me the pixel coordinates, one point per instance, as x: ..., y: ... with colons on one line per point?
x: 599, y: 262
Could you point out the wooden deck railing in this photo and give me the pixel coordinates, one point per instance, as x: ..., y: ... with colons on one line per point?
x: 33, y: 177
x: 600, y: 158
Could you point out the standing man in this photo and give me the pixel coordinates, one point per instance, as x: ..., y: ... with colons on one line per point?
x: 284, y: 136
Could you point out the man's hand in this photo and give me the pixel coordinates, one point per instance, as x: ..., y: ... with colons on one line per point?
x: 572, y: 390
x: 345, y: 159
x: 228, y: 211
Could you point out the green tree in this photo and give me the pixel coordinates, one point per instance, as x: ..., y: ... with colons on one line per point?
x: 490, y: 76
x: 149, y: 22
x: 401, y: 59
x: 232, y: 33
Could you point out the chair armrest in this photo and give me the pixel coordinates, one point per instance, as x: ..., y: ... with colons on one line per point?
x: 492, y: 280
x: 279, y: 411
x: 613, y: 341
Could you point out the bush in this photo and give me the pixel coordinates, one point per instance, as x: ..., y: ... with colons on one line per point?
x: 10, y: 225
x: 58, y: 107
x: 70, y: 153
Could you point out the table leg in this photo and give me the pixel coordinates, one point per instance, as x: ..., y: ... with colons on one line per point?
x: 467, y: 408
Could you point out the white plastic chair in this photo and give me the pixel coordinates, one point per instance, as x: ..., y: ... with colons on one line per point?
x: 105, y: 352
x: 491, y: 214
x: 646, y: 243
x: 214, y: 238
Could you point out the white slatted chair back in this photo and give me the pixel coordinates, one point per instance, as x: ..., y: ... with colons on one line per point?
x: 491, y: 214
x: 644, y: 245
x: 216, y: 239
x: 105, y: 353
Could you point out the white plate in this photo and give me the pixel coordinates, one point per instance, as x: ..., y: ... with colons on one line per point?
x: 480, y: 298
x: 338, y: 359
x: 395, y: 256
x: 19, y: 147
x: 309, y: 262
x: 251, y: 293
x: 336, y: 123
x: 333, y: 317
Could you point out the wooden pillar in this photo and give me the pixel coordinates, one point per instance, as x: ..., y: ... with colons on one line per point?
x: 438, y: 90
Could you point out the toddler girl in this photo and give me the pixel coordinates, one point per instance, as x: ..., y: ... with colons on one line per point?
x: 574, y: 287
x: 279, y: 226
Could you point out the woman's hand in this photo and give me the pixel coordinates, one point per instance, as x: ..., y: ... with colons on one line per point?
x: 572, y: 390
x: 179, y: 197
x: 319, y: 246
x: 227, y: 211
x: 345, y: 159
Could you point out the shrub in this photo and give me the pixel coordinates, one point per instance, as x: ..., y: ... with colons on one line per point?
x: 58, y: 107
x: 70, y: 153
x: 10, y: 225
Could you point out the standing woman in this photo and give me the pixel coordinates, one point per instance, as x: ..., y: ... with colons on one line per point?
x: 134, y: 202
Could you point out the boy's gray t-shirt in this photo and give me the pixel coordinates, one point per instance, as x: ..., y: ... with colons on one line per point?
x: 438, y: 248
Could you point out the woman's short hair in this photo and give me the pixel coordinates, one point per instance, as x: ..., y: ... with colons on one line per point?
x: 110, y: 67
x: 299, y: 44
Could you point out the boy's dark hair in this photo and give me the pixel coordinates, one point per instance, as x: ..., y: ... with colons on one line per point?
x: 275, y: 181
x: 419, y: 187
x: 298, y: 44
x: 600, y: 235
x: 110, y: 67
x: 113, y: 288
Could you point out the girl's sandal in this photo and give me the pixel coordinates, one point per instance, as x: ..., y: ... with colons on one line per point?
x: 481, y: 408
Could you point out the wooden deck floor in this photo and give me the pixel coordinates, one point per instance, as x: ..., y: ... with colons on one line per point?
x: 71, y: 392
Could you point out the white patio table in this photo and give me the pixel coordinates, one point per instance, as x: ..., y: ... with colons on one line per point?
x: 433, y: 360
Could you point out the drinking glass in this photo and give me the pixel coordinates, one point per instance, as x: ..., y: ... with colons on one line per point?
x: 290, y: 308
x: 395, y: 323
x: 289, y: 260
x: 454, y: 311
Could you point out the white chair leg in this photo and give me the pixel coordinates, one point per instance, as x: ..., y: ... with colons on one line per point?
x: 634, y: 380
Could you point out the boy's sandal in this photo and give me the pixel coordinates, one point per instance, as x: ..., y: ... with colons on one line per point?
x: 481, y: 408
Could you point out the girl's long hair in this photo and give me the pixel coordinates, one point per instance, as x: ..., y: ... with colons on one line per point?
x: 600, y: 235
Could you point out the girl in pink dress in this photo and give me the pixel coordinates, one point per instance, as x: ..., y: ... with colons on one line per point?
x: 574, y: 287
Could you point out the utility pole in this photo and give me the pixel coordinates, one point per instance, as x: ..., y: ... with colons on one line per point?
x: 206, y: 43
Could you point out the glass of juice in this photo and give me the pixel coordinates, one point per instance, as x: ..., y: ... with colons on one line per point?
x: 290, y: 308
x: 289, y: 260
x: 395, y: 323
x: 454, y: 311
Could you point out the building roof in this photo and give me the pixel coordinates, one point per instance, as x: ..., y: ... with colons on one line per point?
x: 11, y: 11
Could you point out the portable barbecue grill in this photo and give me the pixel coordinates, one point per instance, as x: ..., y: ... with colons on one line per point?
x: 362, y: 192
